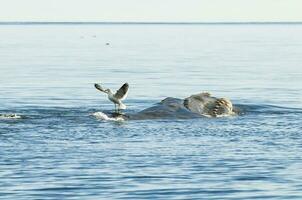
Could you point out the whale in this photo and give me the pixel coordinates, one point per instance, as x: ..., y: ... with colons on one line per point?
x: 199, y: 105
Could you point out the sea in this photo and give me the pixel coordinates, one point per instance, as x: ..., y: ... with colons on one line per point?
x: 53, y: 147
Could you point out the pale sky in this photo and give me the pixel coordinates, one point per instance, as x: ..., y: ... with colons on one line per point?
x: 151, y: 10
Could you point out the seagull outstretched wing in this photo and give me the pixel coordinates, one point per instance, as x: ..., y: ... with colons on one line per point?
x: 121, y: 94
x: 98, y: 87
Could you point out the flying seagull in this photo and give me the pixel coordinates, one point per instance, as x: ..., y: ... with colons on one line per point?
x: 116, y: 98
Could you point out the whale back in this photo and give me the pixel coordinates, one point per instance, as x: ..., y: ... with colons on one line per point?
x: 196, y: 106
x: 169, y: 108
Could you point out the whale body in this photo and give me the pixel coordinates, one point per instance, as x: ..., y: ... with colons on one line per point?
x: 168, y: 108
x: 196, y: 106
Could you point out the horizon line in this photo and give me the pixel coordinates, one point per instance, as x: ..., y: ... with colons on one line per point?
x: 145, y: 23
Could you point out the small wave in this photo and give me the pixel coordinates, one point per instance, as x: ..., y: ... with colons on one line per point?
x: 103, y: 116
x: 266, y: 109
x: 10, y: 116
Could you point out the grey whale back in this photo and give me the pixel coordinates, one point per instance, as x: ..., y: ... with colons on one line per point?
x: 195, y: 106
x: 169, y: 108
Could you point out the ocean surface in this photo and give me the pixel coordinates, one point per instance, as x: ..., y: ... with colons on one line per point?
x: 58, y: 150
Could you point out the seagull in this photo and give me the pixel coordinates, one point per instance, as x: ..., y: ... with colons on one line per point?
x: 116, y: 98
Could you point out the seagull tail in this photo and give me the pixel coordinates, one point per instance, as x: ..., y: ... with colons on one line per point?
x: 122, y: 106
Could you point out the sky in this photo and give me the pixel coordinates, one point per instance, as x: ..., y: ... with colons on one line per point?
x: 152, y: 10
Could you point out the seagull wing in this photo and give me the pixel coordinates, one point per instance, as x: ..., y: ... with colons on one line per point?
x: 98, y: 87
x: 121, y: 94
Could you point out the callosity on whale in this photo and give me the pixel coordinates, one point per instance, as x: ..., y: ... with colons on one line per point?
x: 206, y: 105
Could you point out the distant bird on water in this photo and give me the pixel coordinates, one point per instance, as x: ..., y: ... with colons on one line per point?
x: 116, y: 98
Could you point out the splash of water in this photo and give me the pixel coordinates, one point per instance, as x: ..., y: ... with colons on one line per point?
x: 103, y: 116
x: 10, y: 116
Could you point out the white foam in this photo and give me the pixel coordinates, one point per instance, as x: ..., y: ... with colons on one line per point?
x: 10, y: 116
x: 220, y: 116
x: 103, y: 116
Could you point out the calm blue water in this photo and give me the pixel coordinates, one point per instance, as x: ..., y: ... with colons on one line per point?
x: 59, y: 151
